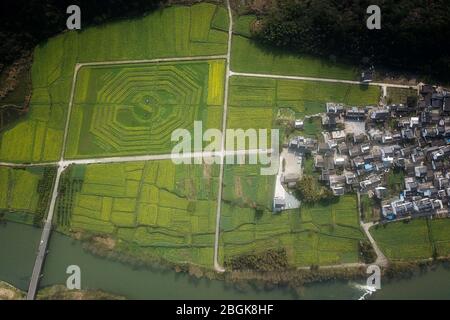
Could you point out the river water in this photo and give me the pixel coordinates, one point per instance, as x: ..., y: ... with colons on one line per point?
x: 18, y: 244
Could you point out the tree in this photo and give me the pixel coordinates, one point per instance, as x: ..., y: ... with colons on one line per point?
x: 310, y: 191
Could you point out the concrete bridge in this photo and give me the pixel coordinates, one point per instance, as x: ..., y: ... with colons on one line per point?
x: 43, y: 243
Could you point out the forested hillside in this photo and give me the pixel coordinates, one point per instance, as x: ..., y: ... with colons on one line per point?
x: 414, y: 34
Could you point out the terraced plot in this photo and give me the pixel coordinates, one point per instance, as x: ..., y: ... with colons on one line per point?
x: 133, y: 109
x: 150, y: 209
x: 324, y: 234
x: 25, y: 193
x: 178, y: 31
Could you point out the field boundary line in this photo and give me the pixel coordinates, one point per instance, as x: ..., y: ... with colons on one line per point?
x: 171, y: 59
x: 26, y: 165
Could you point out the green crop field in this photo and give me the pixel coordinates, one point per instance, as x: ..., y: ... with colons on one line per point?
x: 254, y: 102
x: 242, y: 25
x: 133, y: 109
x: 178, y: 31
x: 440, y: 236
x: 312, y: 128
x: 155, y: 208
x: 399, y: 95
x: 303, y: 97
x: 249, y: 56
x: 323, y: 234
x: 401, y: 241
x: 245, y: 186
x: 24, y: 193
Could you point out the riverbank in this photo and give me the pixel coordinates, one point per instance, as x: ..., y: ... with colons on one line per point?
x: 56, y: 292
x: 292, y: 280
x: 60, y: 292
x: 9, y: 292
x: 142, y: 281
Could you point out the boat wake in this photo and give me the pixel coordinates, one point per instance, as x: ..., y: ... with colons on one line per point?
x: 367, y: 290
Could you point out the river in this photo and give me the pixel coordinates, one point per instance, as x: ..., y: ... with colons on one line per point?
x: 18, y: 245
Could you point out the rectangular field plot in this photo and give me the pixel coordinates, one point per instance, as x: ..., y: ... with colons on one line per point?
x: 134, y: 109
x: 399, y: 95
x: 440, y: 234
x: 150, y: 209
x: 323, y: 234
x: 25, y: 193
x: 254, y: 102
x: 303, y: 97
x: 178, y: 31
x: 404, y: 241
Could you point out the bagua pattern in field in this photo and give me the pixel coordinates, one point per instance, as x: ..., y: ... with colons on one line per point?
x: 133, y: 109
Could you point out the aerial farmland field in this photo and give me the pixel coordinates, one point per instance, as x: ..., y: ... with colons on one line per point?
x: 25, y: 193
x: 133, y: 109
x: 400, y: 241
x: 254, y: 102
x: 129, y: 85
x: 165, y: 33
x: 323, y: 234
x: 150, y: 210
x: 91, y: 157
x: 415, y: 240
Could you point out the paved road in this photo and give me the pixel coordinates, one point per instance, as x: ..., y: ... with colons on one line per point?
x: 169, y: 156
x: 217, y: 265
x: 276, y: 76
x: 146, y: 157
x: 381, y: 261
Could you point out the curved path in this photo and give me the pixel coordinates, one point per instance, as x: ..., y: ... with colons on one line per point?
x: 381, y: 260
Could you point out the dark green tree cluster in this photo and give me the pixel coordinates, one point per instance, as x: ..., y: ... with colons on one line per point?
x: 310, y: 191
x: 269, y: 260
x: 366, y: 252
x: 44, y: 189
x: 414, y: 34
